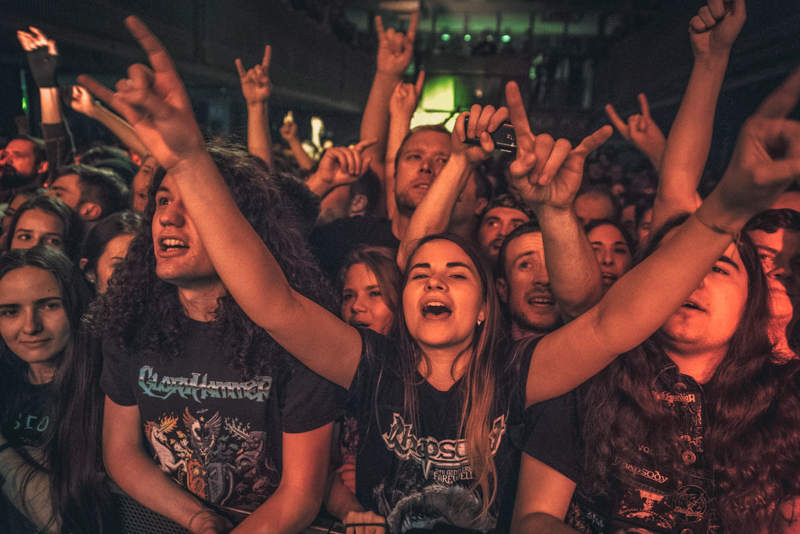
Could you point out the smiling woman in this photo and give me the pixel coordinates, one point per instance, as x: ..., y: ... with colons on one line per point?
x: 49, y: 402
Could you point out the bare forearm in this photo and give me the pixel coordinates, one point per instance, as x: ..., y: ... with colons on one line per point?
x: 341, y: 500
x: 255, y: 278
x: 141, y: 478
x: 51, y: 105
x: 259, y: 141
x: 436, y: 208
x: 121, y: 129
x: 689, y: 140
x: 541, y: 523
x: 300, y: 155
x: 375, y: 121
x: 285, y: 512
x: 398, y: 129
x: 570, y: 260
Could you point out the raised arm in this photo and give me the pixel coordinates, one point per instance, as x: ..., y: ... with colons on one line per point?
x: 289, y: 134
x: 433, y: 214
x: 339, y: 166
x: 395, y: 51
x: 401, y: 110
x: 712, y: 32
x: 256, y: 88
x: 43, y: 59
x: 547, y: 174
x: 157, y: 106
x: 765, y: 162
x: 642, y: 131
x: 82, y: 101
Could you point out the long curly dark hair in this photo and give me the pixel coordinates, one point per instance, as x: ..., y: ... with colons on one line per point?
x: 752, y: 438
x: 141, y: 312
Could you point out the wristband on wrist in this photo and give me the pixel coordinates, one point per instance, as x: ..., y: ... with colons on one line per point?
x: 717, y: 229
x: 5, y: 446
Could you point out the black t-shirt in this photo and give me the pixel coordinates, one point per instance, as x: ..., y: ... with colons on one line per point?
x: 331, y: 243
x: 655, y: 496
x: 553, y: 434
x: 215, y: 434
x: 24, y: 416
x: 415, y: 472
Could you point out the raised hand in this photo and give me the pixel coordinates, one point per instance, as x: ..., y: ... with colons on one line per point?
x: 641, y: 130
x: 289, y: 131
x: 482, y: 122
x: 547, y: 172
x: 395, y: 49
x: 766, y: 159
x: 716, y: 26
x: 82, y: 101
x: 340, y: 166
x: 405, y: 97
x: 256, y: 86
x: 42, y: 56
x: 154, y: 102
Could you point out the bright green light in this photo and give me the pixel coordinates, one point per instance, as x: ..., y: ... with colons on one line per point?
x: 24, y: 104
x: 506, y: 38
x: 445, y: 37
x: 468, y: 38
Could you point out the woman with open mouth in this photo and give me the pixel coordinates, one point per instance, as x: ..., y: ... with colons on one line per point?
x: 439, y: 405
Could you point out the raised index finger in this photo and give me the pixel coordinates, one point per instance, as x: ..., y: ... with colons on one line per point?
x: 156, y: 53
x: 267, y: 57
x: 364, y: 145
x: 618, y: 123
x: 412, y: 26
x: 379, y: 27
x: 516, y: 111
x: 782, y: 100
x: 644, y: 105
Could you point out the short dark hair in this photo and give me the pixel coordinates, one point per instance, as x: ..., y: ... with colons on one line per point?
x: 771, y: 220
x: 529, y: 227
x: 507, y: 200
x: 39, y: 151
x: 100, y: 186
x: 101, y: 153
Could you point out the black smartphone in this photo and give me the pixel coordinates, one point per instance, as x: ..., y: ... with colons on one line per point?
x: 505, y: 140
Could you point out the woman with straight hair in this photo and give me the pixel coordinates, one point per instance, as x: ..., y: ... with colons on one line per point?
x: 436, y: 405
x: 44, y: 220
x: 371, y: 284
x: 50, y: 399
